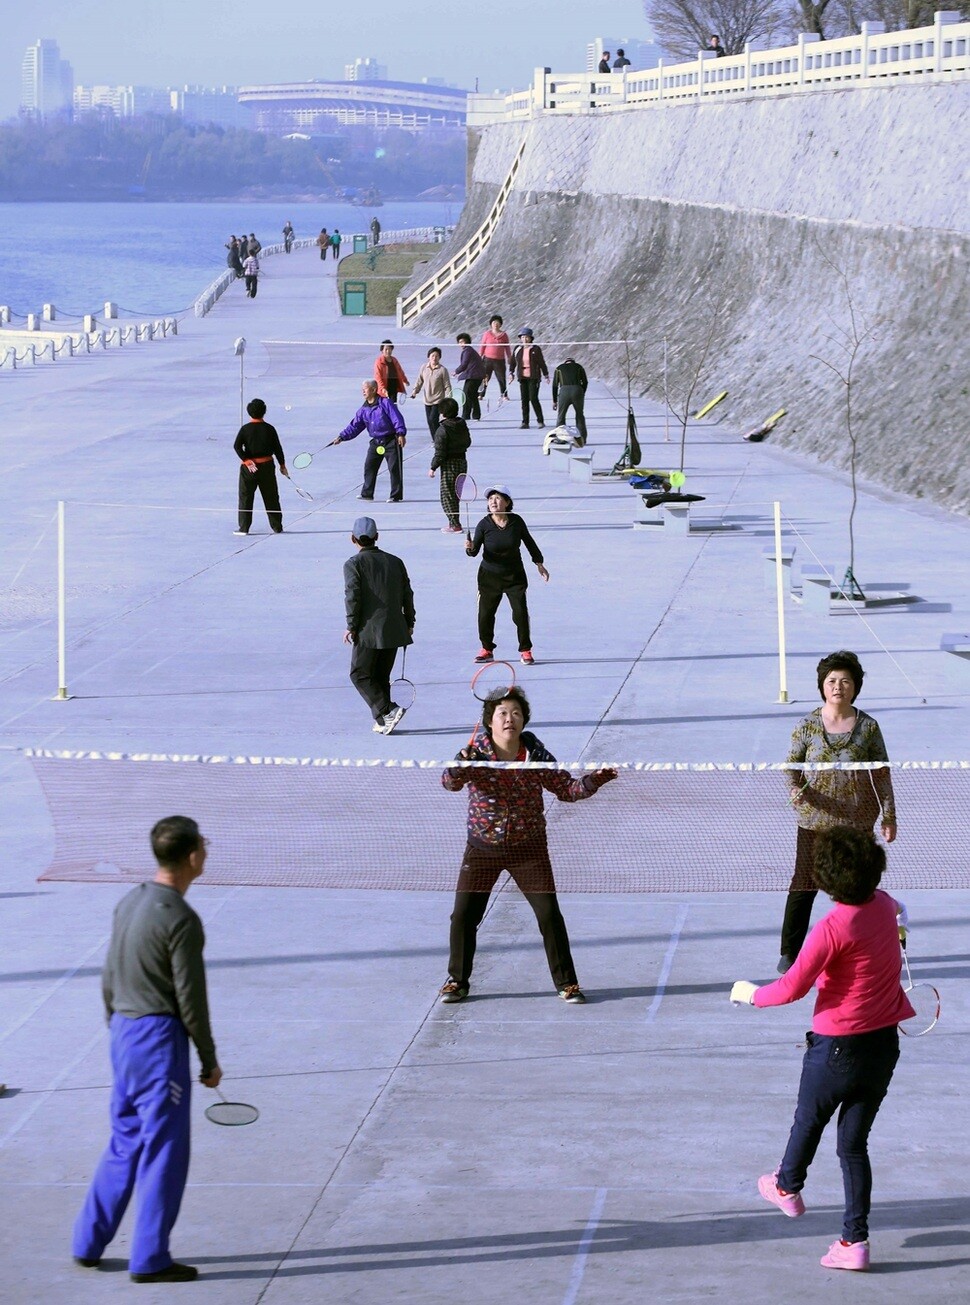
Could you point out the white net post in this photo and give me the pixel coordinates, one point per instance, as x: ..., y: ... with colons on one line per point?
x: 780, y: 598
x: 62, y: 694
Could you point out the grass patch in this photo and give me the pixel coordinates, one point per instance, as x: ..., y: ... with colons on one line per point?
x: 386, y: 270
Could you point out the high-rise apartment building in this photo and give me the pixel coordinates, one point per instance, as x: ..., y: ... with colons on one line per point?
x: 47, y: 80
x: 642, y: 54
x: 365, y: 70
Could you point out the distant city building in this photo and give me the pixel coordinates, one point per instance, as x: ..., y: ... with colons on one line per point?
x: 317, y: 106
x: 365, y: 70
x: 122, y: 101
x: 642, y: 54
x: 202, y: 104
x: 195, y: 104
x: 47, y: 80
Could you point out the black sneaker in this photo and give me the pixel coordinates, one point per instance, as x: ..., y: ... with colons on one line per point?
x: 452, y: 991
x: 85, y: 1262
x: 174, y: 1273
x: 785, y: 963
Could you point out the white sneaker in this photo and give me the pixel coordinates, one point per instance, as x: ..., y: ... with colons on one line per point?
x: 393, y: 718
x: 378, y: 726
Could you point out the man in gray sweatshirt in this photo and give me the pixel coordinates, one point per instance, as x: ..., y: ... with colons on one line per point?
x: 155, y: 1000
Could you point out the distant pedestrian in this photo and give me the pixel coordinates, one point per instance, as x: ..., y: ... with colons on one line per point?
x: 569, y: 383
x: 471, y: 372
x: 451, y: 441
x: 604, y: 64
x: 254, y: 245
x: 257, y: 444
x: 434, y: 385
x: 388, y: 434
x: 155, y: 999
x: 335, y: 240
x: 323, y: 242
x: 529, y: 367
x: 379, y: 604
x: 232, y: 258
x: 288, y: 236
x: 251, y: 273
x: 389, y: 374
x: 496, y: 353
x: 620, y: 62
x: 715, y: 45
x: 244, y: 247
x: 375, y: 230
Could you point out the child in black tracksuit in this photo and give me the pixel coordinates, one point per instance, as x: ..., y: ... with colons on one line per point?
x: 451, y: 441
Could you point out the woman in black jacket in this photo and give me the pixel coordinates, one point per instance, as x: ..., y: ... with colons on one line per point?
x: 501, y: 535
x: 451, y: 441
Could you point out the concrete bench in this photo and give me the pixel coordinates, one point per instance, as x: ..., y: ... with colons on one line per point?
x: 559, y: 458
x: 817, y: 594
x: 955, y: 643
x: 673, y: 518
x: 787, y: 557
x: 581, y: 467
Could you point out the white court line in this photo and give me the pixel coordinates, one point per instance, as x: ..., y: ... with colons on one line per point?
x: 667, y: 963
x: 44, y: 1097
x: 585, y: 1242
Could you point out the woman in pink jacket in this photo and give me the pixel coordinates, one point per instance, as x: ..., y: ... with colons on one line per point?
x: 852, y: 958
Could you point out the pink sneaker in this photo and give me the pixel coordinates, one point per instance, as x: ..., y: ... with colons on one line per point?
x: 847, y: 1255
x: 789, y: 1203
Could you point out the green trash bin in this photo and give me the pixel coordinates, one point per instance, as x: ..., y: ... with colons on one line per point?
x: 360, y: 244
x: 355, y: 298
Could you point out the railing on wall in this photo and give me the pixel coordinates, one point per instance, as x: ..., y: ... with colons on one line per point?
x: 408, y: 308
x: 871, y: 58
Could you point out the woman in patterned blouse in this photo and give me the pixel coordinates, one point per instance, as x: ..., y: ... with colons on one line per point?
x: 823, y: 799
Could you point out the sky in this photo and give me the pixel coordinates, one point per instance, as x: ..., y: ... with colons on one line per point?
x: 240, y: 42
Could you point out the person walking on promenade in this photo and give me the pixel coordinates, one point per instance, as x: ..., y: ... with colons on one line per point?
x: 323, y: 242
x: 288, y: 236
x: 257, y: 444
x: 251, y: 273
x: 375, y: 230
x: 380, y: 619
x: 569, y: 382
x: 451, y: 443
x: 389, y: 374
x: 434, y: 386
x: 232, y: 258
x: 471, y: 372
x: 507, y: 831
x: 335, y: 240
x: 529, y: 366
x: 499, y: 538
x: 254, y: 245
x: 496, y: 354
x: 604, y: 63
x: 387, y: 434
x: 244, y: 246
x: 823, y: 798
x: 155, y: 1000
x: 852, y: 958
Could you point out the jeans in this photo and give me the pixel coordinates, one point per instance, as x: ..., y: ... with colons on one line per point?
x: 852, y: 1074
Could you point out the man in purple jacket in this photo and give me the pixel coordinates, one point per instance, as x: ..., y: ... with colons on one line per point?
x: 388, y: 434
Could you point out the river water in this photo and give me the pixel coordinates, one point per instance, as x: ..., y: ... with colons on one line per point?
x: 156, y: 258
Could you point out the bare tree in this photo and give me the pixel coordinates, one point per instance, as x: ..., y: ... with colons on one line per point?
x: 682, y: 27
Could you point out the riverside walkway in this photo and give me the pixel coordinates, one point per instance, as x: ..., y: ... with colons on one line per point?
x: 511, y: 1145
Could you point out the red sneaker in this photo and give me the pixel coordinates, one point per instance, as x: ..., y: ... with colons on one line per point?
x: 527, y: 659
x: 486, y: 655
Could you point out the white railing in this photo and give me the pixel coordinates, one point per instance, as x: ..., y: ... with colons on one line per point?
x: 456, y: 267
x: 871, y: 58
x: 26, y: 348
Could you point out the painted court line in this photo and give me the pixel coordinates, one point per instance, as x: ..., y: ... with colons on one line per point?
x: 585, y: 1242
x: 667, y: 962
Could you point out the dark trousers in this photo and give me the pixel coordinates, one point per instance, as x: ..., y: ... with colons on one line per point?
x: 372, y: 465
x: 149, y: 1144
x: 263, y: 479
x: 530, y: 868
x: 370, y: 674
x: 572, y: 396
x: 801, y: 895
x: 393, y: 391
x: 471, y: 409
x: 490, y: 591
x: 336, y: 250
x: 323, y: 250
x: 432, y: 413
x: 851, y: 1074
x: 449, y: 471
x: 529, y: 393
x: 496, y: 367
x: 251, y: 282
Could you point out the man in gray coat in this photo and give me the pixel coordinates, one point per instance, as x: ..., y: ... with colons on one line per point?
x: 380, y: 619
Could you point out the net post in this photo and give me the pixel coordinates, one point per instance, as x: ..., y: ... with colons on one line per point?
x: 780, y: 598
x: 62, y: 694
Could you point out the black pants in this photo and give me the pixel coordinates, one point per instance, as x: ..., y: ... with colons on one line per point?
x: 432, y: 413
x: 801, y: 895
x: 529, y: 392
x: 370, y: 674
x: 471, y: 408
x: 336, y: 250
x: 393, y: 391
x: 530, y: 868
x: 263, y: 478
x: 323, y: 250
x: 372, y: 465
x: 491, y: 588
x: 572, y: 396
x: 251, y: 282
x: 495, y: 366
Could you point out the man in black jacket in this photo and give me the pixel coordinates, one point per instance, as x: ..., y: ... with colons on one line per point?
x: 257, y: 444
x: 604, y: 63
x: 569, y: 382
x: 380, y: 619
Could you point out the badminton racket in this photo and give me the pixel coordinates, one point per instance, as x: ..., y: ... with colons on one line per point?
x: 925, y: 1001
x: 303, y: 460
x: 467, y: 492
x: 230, y: 1114
x: 303, y: 493
x: 490, y: 679
x: 403, y: 691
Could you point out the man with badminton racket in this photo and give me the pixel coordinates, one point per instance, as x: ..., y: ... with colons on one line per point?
x: 155, y: 998
x: 257, y: 444
x: 382, y: 421
x: 507, y: 831
x: 852, y: 958
x: 380, y: 620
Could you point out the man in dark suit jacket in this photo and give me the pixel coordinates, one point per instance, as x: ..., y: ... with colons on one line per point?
x: 380, y: 619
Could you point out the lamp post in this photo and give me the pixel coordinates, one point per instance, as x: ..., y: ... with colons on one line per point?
x: 239, y: 350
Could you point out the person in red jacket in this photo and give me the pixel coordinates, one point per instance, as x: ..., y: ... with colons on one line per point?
x: 389, y: 374
x: 496, y: 353
x: 852, y: 958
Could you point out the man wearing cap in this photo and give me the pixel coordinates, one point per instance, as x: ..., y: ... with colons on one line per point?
x: 569, y: 382
x: 388, y: 434
x: 380, y: 619
x: 529, y: 366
